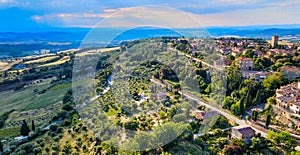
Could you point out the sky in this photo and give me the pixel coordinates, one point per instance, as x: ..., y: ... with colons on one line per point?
x: 18, y: 15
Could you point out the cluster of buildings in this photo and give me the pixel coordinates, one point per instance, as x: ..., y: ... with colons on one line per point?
x: 237, y: 47
x: 288, y: 97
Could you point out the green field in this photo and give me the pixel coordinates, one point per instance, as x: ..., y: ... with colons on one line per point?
x: 10, y: 132
x: 26, y: 99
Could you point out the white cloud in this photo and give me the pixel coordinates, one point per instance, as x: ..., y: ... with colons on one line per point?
x: 6, y: 1
x: 272, y: 12
x: 263, y: 16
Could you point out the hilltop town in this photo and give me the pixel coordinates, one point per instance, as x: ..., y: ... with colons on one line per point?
x: 202, y: 96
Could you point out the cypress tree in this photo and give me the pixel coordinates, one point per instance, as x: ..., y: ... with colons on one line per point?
x: 254, y: 115
x: 257, y: 99
x: 1, y: 146
x: 242, y: 105
x: 32, y: 126
x: 268, y: 120
x: 24, y: 129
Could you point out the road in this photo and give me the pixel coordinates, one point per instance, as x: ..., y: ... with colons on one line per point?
x: 195, y: 59
x: 225, y: 114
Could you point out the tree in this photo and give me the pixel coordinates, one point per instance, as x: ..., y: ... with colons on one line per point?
x: 257, y: 99
x: 67, y: 148
x: 24, y: 129
x: 255, y: 143
x: 268, y: 120
x: 208, y: 89
x: 221, y: 123
x: 274, y: 81
x: 282, y: 139
x: 1, y: 146
x: 53, y: 127
x: 254, y: 115
x: 228, y: 101
x: 247, y: 118
x: 37, y: 150
x: 242, y: 105
x: 32, y: 126
x: 235, y: 109
x: 271, y: 100
x: 234, y: 148
x: 234, y: 78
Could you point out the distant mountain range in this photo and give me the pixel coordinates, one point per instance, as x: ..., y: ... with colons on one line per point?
x: 27, y: 43
x: 257, y: 33
x: 78, y: 34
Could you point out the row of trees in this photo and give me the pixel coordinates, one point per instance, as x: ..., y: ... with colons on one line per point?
x: 25, y: 130
x: 242, y: 94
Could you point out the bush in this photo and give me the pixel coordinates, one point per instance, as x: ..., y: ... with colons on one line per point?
x: 84, y: 147
x: 21, y: 152
x: 27, y: 147
x: 54, y: 153
x: 78, y: 143
x: 56, y: 138
x: 42, y: 144
x: 60, y: 135
x: 37, y: 150
x: 53, y: 127
x: 60, y: 130
x: 54, y: 147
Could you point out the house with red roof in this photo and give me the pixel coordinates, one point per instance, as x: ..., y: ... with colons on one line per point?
x: 244, y: 63
x: 243, y: 132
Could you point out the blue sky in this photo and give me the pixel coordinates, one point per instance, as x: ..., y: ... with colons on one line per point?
x: 18, y: 15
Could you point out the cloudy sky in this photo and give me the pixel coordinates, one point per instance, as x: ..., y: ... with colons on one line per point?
x: 35, y: 14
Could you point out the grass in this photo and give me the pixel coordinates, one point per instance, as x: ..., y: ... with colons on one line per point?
x: 42, y: 60
x: 10, y: 132
x: 26, y: 99
x: 58, y: 62
x: 112, y: 111
x: 30, y: 106
x: 92, y: 52
x: 61, y: 86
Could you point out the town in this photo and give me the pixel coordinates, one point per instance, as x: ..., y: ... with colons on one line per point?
x: 254, y: 109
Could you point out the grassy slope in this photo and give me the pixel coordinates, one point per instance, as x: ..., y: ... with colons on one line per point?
x: 27, y: 99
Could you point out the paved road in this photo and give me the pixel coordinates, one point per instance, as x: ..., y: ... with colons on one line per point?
x: 228, y: 116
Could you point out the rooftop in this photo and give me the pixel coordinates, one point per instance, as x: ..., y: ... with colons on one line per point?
x: 243, y: 59
x: 244, y: 129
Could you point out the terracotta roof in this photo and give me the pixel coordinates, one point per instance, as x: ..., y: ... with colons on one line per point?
x: 243, y: 59
x: 285, y: 99
x: 244, y: 129
x: 290, y: 68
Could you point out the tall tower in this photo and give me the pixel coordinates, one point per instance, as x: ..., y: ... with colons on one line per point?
x: 275, y: 41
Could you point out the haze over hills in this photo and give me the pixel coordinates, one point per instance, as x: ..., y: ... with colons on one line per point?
x: 16, y: 44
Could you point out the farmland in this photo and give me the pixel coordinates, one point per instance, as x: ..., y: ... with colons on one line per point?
x: 42, y: 60
x: 58, y: 62
x: 27, y: 98
x: 5, y: 65
x: 92, y: 52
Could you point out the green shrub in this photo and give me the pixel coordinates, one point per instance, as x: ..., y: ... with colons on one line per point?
x: 54, y: 146
x: 53, y: 127
x: 37, y: 150
x: 21, y: 152
x: 54, y: 153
